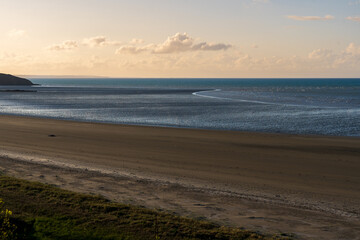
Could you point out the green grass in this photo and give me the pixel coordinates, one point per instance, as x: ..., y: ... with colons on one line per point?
x: 42, y: 211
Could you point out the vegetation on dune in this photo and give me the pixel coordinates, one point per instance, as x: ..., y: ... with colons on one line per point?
x: 45, y: 212
x: 7, y: 228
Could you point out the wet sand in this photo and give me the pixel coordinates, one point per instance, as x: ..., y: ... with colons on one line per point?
x: 307, y: 185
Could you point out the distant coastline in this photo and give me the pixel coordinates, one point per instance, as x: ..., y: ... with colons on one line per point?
x: 62, y: 76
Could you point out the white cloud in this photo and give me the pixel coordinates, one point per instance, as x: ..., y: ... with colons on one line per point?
x: 210, y: 46
x: 95, y: 41
x: 15, y: 33
x: 355, y: 19
x: 353, y: 49
x: 328, y: 59
x: 235, y: 63
x: 180, y: 42
x: 131, y: 49
x: 66, y: 45
x: 320, y: 53
x: 322, y: 61
x: 99, y: 41
x: 310, y: 18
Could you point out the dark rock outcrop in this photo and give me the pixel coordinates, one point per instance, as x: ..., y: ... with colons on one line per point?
x: 7, y: 79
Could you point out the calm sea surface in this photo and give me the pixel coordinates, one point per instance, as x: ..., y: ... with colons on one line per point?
x: 301, y: 106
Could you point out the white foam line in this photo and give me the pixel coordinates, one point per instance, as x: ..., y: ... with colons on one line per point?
x: 232, y: 99
x: 199, y: 94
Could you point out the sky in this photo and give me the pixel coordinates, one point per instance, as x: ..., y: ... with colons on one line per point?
x: 181, y: 38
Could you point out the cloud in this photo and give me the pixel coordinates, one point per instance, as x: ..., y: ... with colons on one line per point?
x: 136, y: 41
x: 328, y: 59
x: 131, y: 49
x: 320, y: 53
x: 99, y: 41
x: 95, y: 41
x: 355, y: 19
x: 210, y: 46
x: 66, y: 45
x: 180, y: 42
x: 310, y: 18
x: 319, y: 62
x: 16, y: 33
x: 353, y: 49
x: 254, y: 45
x: 325, y: 62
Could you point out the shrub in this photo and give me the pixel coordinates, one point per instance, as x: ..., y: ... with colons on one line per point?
x: 7, y: 229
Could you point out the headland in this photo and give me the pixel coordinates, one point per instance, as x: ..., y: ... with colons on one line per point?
x: 10, y: 80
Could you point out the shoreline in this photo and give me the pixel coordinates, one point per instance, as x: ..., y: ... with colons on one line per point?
x: 274, y: 180
x: 178, y: 127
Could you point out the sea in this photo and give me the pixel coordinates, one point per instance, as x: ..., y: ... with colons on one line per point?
x: 292, y: 106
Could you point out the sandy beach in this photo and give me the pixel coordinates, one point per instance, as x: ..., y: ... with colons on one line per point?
x: 305, y: 185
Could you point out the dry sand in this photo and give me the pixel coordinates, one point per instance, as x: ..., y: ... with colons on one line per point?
x: 306, y: 185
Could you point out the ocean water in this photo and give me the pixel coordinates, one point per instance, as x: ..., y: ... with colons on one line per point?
x: 296, y: 106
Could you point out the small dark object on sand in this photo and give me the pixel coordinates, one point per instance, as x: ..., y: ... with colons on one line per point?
x: 52, y: 135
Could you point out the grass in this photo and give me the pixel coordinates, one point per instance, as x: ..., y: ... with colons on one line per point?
x: 42, y: 211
